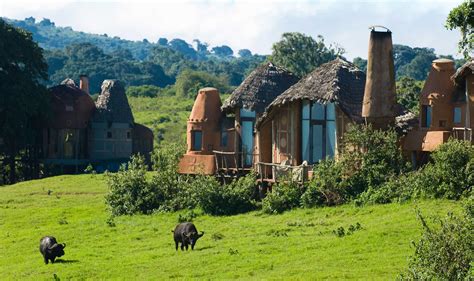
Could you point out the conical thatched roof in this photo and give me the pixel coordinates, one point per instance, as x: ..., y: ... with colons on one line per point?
x: 260, y: 88
x: 337, y: 81
x: 112, y: 104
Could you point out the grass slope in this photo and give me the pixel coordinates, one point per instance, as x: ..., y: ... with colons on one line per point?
x: 299, y: 244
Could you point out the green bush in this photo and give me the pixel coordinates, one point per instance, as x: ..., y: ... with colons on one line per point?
x: 326, y: 187
x: 167, y: 156
x: 451, y: 170
x: 229, y: 199
x: 369, y: 158
x: 285, y: 195
x: 129, y: 191
x: 445, y: 251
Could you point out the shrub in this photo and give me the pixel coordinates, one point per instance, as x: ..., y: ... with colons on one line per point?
x: 229, y: 199
x: 129, y: 191
x: 452, y: 170
x: 285, y: 195
x: 369, y: 158
x: 444, y: 252
x: 326, y: 187
x: 167, y: 156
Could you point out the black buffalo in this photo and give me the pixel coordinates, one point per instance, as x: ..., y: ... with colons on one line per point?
x: 186, y: 234
x: 50, y: 249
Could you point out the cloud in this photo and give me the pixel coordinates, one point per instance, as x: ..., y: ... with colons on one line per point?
x: 251, y: 24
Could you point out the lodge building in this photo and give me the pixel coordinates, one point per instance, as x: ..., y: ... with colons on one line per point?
x: 279, y: 125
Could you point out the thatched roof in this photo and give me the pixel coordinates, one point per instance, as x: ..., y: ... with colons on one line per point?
x: 467, y: 68
x: 112, y: 104
x: 337, y: 81
x: 260, y: 88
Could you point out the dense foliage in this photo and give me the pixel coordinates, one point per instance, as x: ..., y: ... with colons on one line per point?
x: 285, y: 195
x: 408, y: 93
x: 189, y: 82
x: 446, y: 249
x: 23, y: 101
x: 462, y: 18
x: 301, y: 54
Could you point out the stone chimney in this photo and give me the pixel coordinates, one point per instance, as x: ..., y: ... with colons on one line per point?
x: 379, y: 106
x: 84, y: 83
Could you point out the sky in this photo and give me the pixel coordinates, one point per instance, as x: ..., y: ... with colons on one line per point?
x: 253, y: 25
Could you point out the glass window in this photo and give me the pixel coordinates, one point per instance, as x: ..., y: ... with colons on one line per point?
x: 247, y: 141
x: 330, y: 111
x: 426, y: 116
x: 305, y: 140
x: 224, y: 137
x: 330, y: 138
x: 317, y: 143
x: 305, y: 110
x: 196, y: 140
x: 317, y: 111
x: 109, y: 134
x: 247, y: 113
x: 457, y: 115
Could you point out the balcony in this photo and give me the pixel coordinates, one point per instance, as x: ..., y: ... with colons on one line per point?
x: 462, y: 133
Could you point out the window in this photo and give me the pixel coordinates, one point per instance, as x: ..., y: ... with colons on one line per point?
x: 247, y: 120
x: 196, y: 140
x: 128, y: 135
x: 224, y: 137
x: 457, y: 115
x: 426, y: 116
x: 318, y: 131
x: 109, y: 134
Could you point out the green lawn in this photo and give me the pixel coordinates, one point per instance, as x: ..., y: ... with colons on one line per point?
x: 299, y: 244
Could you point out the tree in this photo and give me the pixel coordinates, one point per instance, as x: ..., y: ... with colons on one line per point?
x: 183, y: 47
x: 245, y: 53
x: 462, y: 18
x: 408, y: 93
x: 23, y: 99
x: 163, y: 41
x: 189, y: 82
x: 360, y: 63
x: 223, y: 51
x: 301, y: 54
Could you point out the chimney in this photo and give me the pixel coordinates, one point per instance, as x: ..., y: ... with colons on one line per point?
x: 84, y: 83
x: 379, y: 106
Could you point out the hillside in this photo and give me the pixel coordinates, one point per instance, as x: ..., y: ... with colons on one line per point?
x: 300, y: 243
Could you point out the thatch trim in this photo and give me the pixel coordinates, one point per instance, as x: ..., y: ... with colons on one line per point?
x: 260, y: 88
x: 467, y: 68
x: 112, y: 104
x: 337, y: 81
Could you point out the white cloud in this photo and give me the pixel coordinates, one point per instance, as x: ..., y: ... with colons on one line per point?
x: 250, y: 24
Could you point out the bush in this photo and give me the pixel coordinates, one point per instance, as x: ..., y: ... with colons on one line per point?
x: 285, y: 195
x: 444, y: 252
x: 451, y: 171
x: 369, y: 158
x: 326, y: 187
x: 130, y: 193
x: 167, y: 156
x: 229, y: 199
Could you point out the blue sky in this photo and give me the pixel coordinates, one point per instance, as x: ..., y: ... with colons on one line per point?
x: 255, y: 25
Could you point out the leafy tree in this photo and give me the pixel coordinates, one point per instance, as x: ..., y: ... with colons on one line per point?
x: 408, y: 93
x: 222, y: 51
x: 360, y: 63
x: 163, y: 41
x: 462, y: 18
x: 189, y: 82
x: 23, y: 98
x: 245, y: 53
x: 183, y: 47
x: 301, y: 54
x: 201, y: 47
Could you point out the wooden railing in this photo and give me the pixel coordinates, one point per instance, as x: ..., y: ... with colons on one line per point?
x: 462, y: 133
x: 229, y: 160
x: 272, y: 172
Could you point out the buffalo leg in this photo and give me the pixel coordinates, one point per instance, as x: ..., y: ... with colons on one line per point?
x: 46, y: 260
x: 176, y: 243
x: 192, y: 246
x: 187, y: 246
x: 52, y: 260
x: 182, y: 246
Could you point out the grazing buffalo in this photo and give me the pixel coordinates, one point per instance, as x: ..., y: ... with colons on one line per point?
x: 50, y: 249
x: 186, y: 234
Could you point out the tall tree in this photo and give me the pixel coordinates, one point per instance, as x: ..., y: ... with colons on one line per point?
x: 462, y: 18
x: 23, y: 99
x: 301, y: 54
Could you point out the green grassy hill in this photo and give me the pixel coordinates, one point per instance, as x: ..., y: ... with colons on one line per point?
x: 299, y: 244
